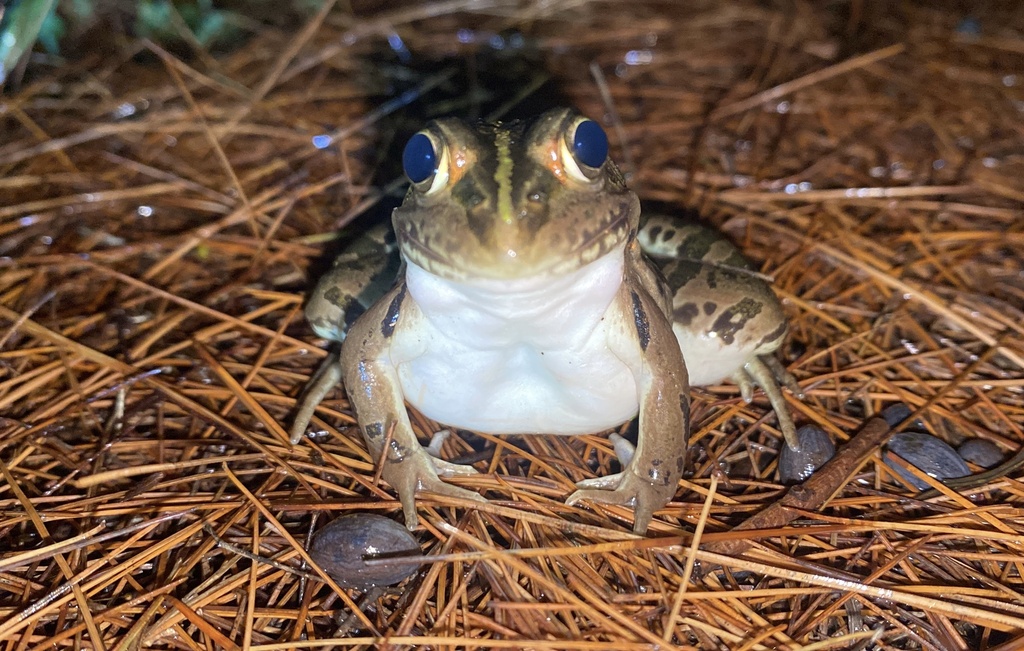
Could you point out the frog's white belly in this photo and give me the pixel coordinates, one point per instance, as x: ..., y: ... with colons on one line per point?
x: 518, y: 357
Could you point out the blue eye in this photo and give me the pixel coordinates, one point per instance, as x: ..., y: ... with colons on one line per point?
x: 419, y: 160
x: 590, y: 144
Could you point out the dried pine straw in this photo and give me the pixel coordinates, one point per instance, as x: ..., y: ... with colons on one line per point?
x: 163, y: 219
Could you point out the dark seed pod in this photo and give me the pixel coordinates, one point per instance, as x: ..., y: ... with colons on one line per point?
x: 342, y: 547
x: 895, y: 414
x: 933, y: 456
x: 984, y: 453
x: 816, y: 448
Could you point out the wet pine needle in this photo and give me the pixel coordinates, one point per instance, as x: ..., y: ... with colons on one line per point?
x: 163, y: 216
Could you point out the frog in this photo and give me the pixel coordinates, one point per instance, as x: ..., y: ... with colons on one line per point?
x: 527, y: 299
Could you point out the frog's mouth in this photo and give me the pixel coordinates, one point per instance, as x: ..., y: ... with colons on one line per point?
x: 466, y: 259
x: 614, y: 233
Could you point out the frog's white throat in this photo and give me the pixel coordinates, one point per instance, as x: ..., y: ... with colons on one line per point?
x: 534, y: 302
x: 520, y: 356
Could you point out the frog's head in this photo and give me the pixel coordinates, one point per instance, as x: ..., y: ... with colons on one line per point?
x: 514, y: 200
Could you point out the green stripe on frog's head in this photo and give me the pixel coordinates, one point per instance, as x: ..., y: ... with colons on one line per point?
x: 510, y: 200
x: 503, y: 175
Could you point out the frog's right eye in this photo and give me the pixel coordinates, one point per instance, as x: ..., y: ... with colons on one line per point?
x: 425, y: 162
x: 419, y: 158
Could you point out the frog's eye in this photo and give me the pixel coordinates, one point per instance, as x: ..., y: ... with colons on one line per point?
x: 590, y: 144
x: 587, y: 145
x: 425, y: 163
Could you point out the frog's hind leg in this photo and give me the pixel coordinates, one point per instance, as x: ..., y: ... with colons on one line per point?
x: 722, y: 309
x: 778, y: 371
x: 783, y: 375
x: 362, y: 273
x: 325, y: 379
x: 764, y: 371
x: 664, y: 237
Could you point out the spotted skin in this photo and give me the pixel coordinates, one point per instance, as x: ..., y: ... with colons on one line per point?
x: 390, y: 320
x: 363, y: 272
x: 643, y: 326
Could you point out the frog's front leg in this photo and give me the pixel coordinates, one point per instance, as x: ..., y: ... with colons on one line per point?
x: 651, y: 477
x: 375, y: 393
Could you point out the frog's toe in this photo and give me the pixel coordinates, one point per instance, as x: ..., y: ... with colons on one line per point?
x: 644, y: 497
x: 746, y: 385
x: 442, y: 467
x: 449, y: 469
x: 606, y: 483
x: 436, y: 441
x: 447, y: 490
x: 783, y: 375
x: 624, y: 450
x: 407, y: 496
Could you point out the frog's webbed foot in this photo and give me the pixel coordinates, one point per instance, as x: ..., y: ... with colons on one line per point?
x: 325, y: 379
x: 767, y: 372
x: 416, y: 472
x: 626, y: 489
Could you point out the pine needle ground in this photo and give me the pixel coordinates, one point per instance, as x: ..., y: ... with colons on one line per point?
x: 163, y: 215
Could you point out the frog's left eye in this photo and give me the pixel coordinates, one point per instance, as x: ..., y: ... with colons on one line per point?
x: 587, y: 147
x: 425, y: 162
x: 590, y: 144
